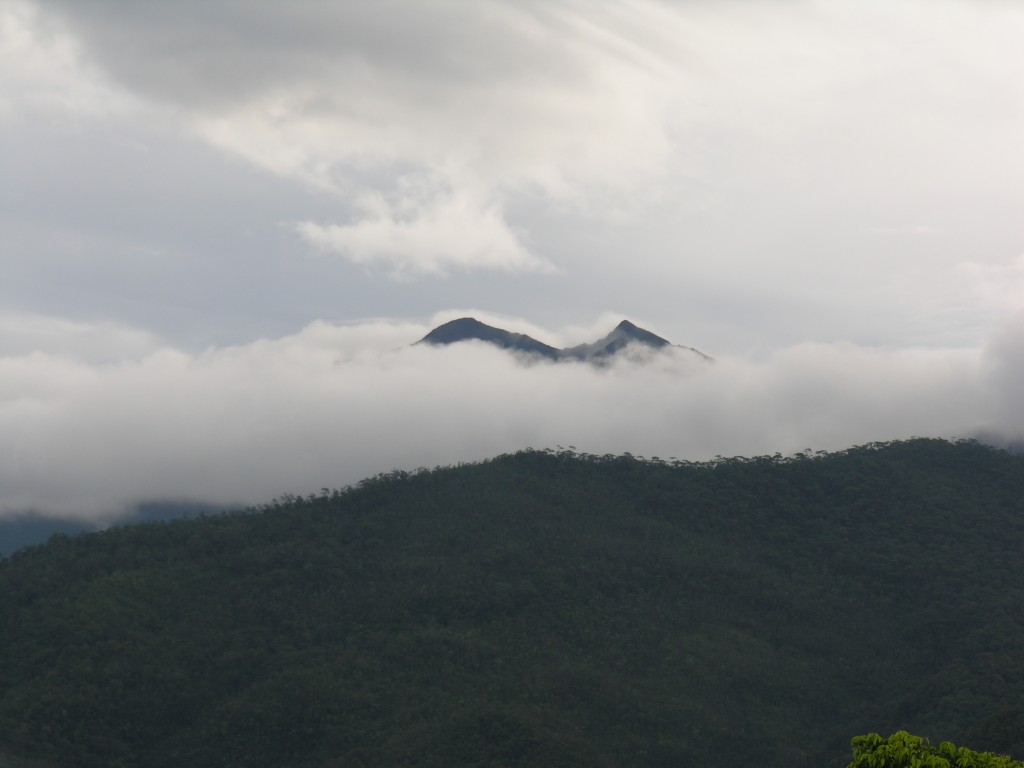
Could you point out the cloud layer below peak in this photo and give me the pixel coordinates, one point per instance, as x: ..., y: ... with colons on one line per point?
x: 332, y: 404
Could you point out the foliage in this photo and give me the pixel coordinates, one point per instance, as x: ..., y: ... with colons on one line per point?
x: 540, y: 609
x: 901, y: 750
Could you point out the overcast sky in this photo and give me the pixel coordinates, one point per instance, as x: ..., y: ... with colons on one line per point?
x: 222, y: 223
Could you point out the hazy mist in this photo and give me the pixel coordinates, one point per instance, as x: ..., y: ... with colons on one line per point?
x: 88, y: 436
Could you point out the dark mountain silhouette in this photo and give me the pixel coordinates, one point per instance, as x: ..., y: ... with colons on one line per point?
x: 624, y: 335
x: 471, y: 329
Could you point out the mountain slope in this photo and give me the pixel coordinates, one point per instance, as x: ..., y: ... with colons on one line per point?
x: 471, y: 329
x: 540, y: 609
x: 33, y: 529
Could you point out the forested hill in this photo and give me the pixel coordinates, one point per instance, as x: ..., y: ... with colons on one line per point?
x: 540, y: 609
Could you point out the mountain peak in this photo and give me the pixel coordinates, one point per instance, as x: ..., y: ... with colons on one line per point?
x: 624, y: 334
x: 635, y: 332
x: 598, y: 352
x: 471, y: 329
x: 456, y: 330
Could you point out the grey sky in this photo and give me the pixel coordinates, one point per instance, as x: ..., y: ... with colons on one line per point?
x: 788, y: 186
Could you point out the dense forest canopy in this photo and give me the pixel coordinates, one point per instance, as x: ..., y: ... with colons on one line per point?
x: 902, y: 750
x: 539, y: 609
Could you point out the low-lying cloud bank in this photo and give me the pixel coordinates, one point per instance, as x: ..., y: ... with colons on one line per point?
x: 86, y: 436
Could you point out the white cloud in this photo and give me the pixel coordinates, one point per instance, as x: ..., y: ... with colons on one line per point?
x: 90, y: 342
x: 509, y: 95
x: 46, y: 73
x: 333, y: 404
x: 570, y: 103
x: 1004, y: 368
x: 996, y: 285
x: 425, y: 232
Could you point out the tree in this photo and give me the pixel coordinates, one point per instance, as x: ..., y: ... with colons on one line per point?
x: 901, y: 750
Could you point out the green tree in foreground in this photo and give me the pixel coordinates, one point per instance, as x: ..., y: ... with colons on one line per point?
x: 901, y: 750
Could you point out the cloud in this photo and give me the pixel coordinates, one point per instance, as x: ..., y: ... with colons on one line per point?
x: 333, y: 404
x: 46, y: 73
x: 426, y: 233
x: 1004, y: 364
x: 26, y: 334
x: 550, y: 95
x: 486, y: 105
x: 997, y: 285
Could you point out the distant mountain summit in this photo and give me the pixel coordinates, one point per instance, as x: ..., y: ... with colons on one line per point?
x: 624, y: 335
x: 471, y: 329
